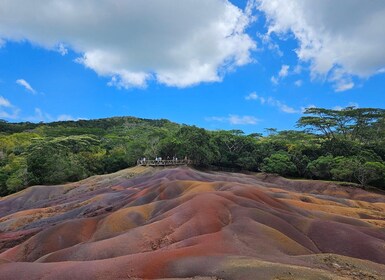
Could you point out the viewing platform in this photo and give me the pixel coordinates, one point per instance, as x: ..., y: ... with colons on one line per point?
x: 168, y: 162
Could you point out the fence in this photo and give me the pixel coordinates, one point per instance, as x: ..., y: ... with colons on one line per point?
x: 167, y: 162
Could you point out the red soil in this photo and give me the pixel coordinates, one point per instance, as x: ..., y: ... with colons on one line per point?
x: 182, y: 223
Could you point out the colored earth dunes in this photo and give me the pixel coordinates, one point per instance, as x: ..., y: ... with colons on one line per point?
x: 180, y: 223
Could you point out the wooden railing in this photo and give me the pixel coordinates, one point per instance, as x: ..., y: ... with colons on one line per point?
x: 168, y: 162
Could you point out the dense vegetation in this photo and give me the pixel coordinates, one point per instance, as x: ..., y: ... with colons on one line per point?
x: 344, y: 145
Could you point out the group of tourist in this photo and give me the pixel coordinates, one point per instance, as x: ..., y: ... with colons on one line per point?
x: 143, y: 161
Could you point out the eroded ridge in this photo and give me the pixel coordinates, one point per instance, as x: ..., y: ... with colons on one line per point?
x: 146, y: 223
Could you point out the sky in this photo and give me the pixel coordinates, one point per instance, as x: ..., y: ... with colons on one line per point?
x: 217, y: 64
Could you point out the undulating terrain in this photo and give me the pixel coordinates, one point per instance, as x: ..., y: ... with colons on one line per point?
x: 147, y: 223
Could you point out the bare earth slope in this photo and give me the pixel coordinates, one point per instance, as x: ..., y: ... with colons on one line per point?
x: 145, y: 223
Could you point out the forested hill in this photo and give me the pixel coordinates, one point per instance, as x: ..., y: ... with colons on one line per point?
x: 97, y: 126
x: 344, y: 145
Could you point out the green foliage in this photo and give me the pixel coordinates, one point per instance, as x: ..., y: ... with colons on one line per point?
x: 346, y: 145
x: 340, y: 147
x: 343, y: 169
x: 321, y: 167
x: 194, y: 143
x: 51, y: 162
x: 361, y: 124
x: 279, y: 163
x: 13, y: 175
x: 370, y: 172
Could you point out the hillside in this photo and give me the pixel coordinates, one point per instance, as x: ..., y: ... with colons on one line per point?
x: 339, y: 145
x: 182, y: 223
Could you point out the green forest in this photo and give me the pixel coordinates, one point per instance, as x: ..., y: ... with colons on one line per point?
x: 345, y: 145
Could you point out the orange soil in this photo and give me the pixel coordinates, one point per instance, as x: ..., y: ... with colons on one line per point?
x: 183, y: 224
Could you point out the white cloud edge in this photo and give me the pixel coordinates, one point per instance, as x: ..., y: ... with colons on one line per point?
x: 5, y: 102
x: 282, y: 73
x: 204, y: 52
x: 12, y: 112
x: 353, y: 44
x: 8, y: 110
x: 270, y: 101
x: 26, y: 85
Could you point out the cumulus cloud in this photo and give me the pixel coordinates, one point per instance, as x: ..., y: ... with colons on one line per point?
x: 26, y: 85
x: 271, y: 45
x: 344, y: 34
x: 342, y: 81
x: 177, y: 43
x: 235, y: 120
x: 272, y: 102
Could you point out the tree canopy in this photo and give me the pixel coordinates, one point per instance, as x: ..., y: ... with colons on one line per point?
x: 346, y: 145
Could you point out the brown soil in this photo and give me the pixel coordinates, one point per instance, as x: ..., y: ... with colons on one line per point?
x: 146, y: 223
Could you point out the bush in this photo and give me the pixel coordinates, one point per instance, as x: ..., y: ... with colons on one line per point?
x: 279, y: 163
x: 321, y: 167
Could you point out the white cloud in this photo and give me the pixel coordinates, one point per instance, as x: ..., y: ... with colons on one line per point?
x: 298, y: 83
x: 13, y: 115
x: 297, y: 69
x: 284, y: 108
x: 235, y: 120
x: 5, y: 102
x: 271, y: 45
x: 62, y: 49
x: 343, y: 86
x: 252, y: 96
x: 341, y: 80
x: 272, y: 102
x: 274, y: 80
x: 242, y: 120
x: 26, y: 85
x: 7, y: 110
x: 125, y: 79
x: 65, y: 117
x: 283, y: 72
x: 177, y: 43
x: 40, y: 116
x: 255, y: 96
x: 347, y: 34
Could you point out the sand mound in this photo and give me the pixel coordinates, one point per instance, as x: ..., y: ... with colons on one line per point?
x: 145, y: 223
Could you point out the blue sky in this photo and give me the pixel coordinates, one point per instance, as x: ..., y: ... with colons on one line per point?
x: 246, y: 65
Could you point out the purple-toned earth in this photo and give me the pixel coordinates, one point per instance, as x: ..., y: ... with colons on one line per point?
x: 150, y: 223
